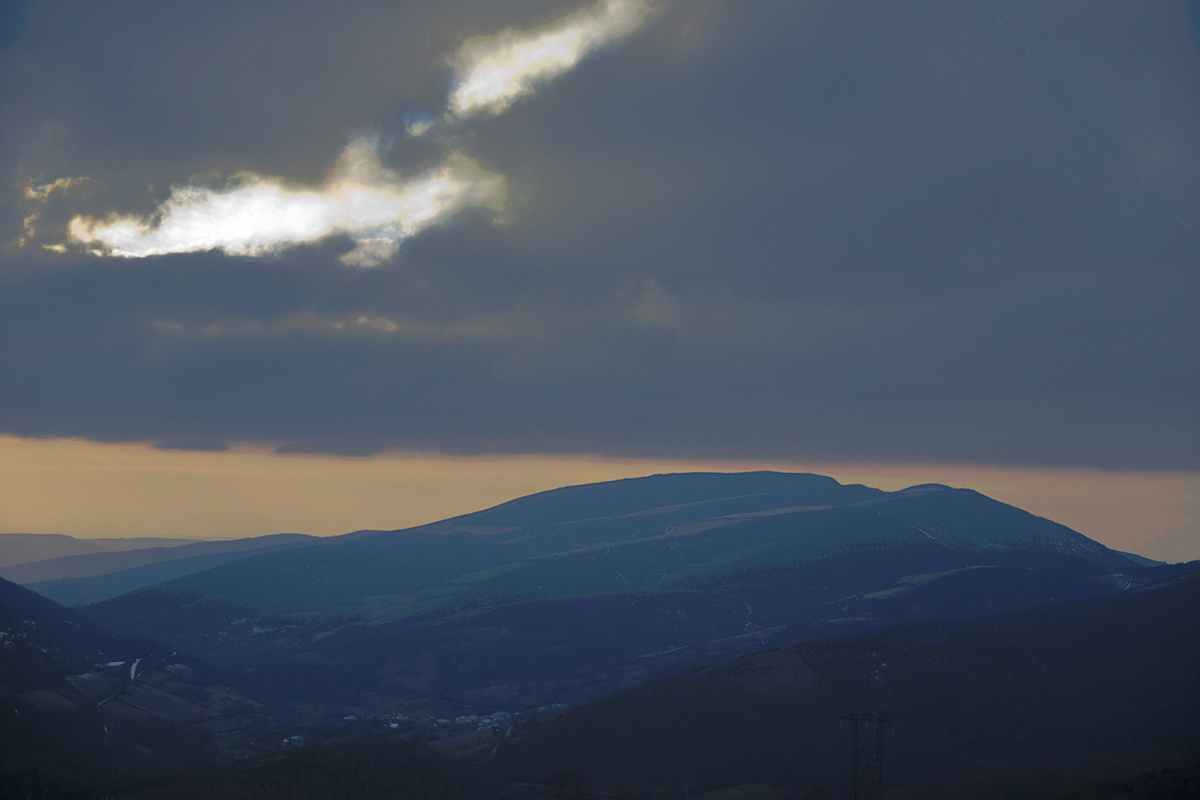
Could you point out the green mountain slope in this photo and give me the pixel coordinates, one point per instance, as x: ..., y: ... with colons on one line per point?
x: 334, y: 580
x: 493, y: 610
x: 560, y: 552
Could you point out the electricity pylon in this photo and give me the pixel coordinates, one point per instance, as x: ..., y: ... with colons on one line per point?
x: 866, y: 757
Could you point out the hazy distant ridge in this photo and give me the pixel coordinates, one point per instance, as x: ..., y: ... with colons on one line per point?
x: 90, y: 564
x: 23, y: 548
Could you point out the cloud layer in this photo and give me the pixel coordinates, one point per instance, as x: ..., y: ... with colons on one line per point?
x: 261, y: 216
x: 493, y: 72
x: 870, y: 231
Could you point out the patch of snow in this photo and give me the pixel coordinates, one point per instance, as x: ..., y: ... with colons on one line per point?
x: 927, y: 533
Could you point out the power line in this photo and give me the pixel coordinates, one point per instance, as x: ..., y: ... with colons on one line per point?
x: 866, y: 755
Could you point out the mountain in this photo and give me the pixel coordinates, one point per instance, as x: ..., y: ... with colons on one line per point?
x: 87, y: 565
x: 130, y: 676
x: 348, y: 579
x: 1009, y: 705
x: 1142, y: 560
x: 21, y: 548
x: 565, y: 596
x: 86, y: 590
x: 89, y: 714
x: 81, y: 707
x: 32, y: 624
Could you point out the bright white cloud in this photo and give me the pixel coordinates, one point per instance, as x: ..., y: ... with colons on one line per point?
x: 492, y: 72
x: 261, y: 216
x: 258, y: 215
x: 36, y: 195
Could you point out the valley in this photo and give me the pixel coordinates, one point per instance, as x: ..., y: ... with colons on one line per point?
x: 528, y: 635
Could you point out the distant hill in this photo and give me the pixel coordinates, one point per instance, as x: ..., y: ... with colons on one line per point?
x: 176, y: 563
x: 86, y: 565
x: 22, y: 548
x: 565, y: 596
x: 348, y: 571
x: 695, y: 494
x: 1142, y: 560
x: 74, y: 592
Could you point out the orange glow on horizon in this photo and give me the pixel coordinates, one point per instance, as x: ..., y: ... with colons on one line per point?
x: 90, y: 489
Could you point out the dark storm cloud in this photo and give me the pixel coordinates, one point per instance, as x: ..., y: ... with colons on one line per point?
x: 927, y: 231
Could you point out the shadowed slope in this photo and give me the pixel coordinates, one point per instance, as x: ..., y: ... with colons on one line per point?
x: 997, y: 706
x: 504, y: 609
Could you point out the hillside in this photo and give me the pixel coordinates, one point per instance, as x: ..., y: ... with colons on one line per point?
x: 89, y: 714
x: 91, y: 564
x: 82, y: 591
x: 1005, y: 705
x: 375, y: 575
x: 22, y: 548
x: 82, y: 707
x: 565, y: 596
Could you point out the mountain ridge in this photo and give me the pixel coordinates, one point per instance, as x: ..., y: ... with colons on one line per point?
x: 24, y: 548
x: 678, y: 567
x: 92, y: 564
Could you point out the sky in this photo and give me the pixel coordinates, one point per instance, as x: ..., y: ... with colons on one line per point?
x: 86, y: 489
x: 601, y: 237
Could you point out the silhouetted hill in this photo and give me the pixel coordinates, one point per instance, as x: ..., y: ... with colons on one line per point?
x: 999, y: 706
x: 85, y: 591
x: 87, y: 565
x: 744, y: 492
x: 22, y: 548
x: 565, y: 596
x: 68, y: 637
x: 58, y: 738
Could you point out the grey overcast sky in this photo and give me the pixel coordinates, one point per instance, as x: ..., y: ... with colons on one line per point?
x: 937, y: 231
